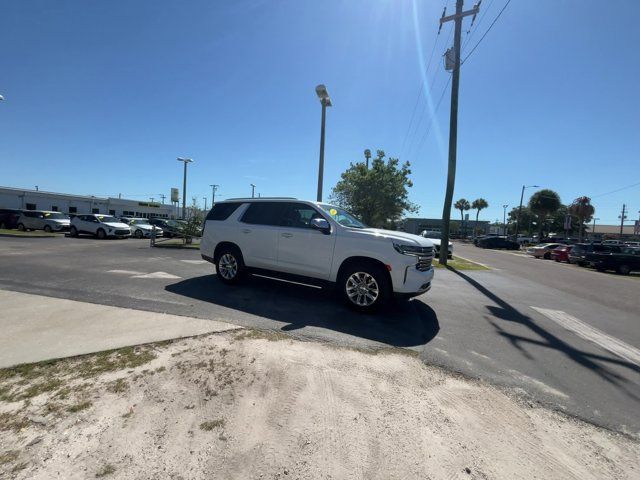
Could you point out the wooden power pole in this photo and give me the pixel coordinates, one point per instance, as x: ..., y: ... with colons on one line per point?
x: 453, y: 122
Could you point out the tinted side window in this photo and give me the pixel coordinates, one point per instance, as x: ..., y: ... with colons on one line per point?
x: 264, y: 213
x: 299, y: 215
x: 222, y: 211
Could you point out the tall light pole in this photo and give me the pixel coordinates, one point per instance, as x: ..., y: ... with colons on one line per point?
x: 184, y: 185
x: 367, y: 156
x: 205, y: 203
x: 520, y: 207
x: 214, y: 187
x: 253, y: 190
x: 593, y: 228
x: 504, y: 218
x: 325, y: 100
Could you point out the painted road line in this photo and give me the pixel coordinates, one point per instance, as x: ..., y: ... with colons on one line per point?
x: 125, y: 272
x: 612, y: 344
x: 156, y: 275
x: 195, y: 262
x: 473, y: 261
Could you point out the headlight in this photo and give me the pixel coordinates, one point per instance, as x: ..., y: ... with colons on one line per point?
x: 409, y: 249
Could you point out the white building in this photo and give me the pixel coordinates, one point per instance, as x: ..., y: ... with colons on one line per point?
x: 61, y: 202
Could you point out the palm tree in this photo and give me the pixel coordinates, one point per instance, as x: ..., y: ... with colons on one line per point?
x: 582, y: 208
x: 544, y: 203
x: 462, y: 205
x: 478, y: 204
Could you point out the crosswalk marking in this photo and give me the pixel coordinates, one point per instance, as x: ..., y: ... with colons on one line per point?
x: 612, y: 344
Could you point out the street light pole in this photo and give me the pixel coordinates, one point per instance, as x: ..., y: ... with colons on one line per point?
x: 205, y: 203
x: 213, y: 193
x: 593, y: 229
x: 520, y: 207
x: 253, y: 190
x: 325, y: 100
x: 504, y: 218
x: 184, y: 184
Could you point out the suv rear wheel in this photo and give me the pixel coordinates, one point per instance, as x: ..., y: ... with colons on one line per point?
x: 364, y: 287
x: 73, y: 231
x: 101, y: 234
x: 229, y: 266
x: 47, y: 228
x: 21, y: 227
x: 624, y: 269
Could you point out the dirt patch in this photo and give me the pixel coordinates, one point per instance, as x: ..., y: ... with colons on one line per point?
x: 244, y: 406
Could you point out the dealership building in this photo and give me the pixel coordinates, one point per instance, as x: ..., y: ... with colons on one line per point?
x: 25, y: 199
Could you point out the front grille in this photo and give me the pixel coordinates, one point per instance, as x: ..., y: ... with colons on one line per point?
x: 424, y: 263
x: 122, y: 232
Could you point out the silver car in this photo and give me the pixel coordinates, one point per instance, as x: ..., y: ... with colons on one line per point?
x: 40, y: 220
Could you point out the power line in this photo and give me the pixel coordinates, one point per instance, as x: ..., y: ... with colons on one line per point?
x: 486, y: 32
x: 433, y: 117
x: 617, y: 190
x: 472, y: 32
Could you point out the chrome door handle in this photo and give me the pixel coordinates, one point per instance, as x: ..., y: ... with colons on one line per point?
x: 246, y: 230
x: 287, y: 235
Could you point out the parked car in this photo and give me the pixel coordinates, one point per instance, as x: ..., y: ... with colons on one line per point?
x: 435, y: 238
x: 624, y: 262
x: 102, y: 226
x: 141, y: 228
x: 543, y: 250
x: 497, y: 242
x: 317, y: 244
x: 170, y: 228
x: 42, y: 220
x: 581, y: 251
x: 9, y: 217
x: 632, y: 244
x: 612, y: 242
x: 561, y: 254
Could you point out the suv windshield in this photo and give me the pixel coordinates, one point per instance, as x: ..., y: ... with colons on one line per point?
x: 107, y: 219
x: 342, y: 216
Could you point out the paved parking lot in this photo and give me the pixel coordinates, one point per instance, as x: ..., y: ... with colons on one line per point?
x: 565, y: 336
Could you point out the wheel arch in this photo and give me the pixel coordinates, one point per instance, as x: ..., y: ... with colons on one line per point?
x: 221, y: 246
x: 355, y: 260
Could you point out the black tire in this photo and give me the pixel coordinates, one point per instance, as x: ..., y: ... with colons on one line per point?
x: 3, y: 226
x: 73, y: 231
x: 624, y: 269
x: 230, y: 267
x: 138, y: 234
x: 47, y: 228
x: 21, y: 227
x: 101, y: 234
x: 547, y: 256
x: 355, y: 286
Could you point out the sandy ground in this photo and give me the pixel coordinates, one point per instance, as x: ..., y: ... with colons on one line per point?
x: 242, y: 406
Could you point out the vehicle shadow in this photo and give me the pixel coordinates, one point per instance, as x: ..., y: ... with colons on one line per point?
x: 502, y: 310
x: 406, y: 324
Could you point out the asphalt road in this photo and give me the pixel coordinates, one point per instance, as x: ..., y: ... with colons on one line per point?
x: 560, y: 335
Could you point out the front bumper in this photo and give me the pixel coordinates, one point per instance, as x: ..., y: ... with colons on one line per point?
x: 411, y: 281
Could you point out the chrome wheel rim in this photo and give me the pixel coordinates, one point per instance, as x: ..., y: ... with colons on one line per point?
x: 228, y: 266
x: 362, y: 289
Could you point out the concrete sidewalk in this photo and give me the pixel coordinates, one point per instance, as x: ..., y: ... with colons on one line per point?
x: 36, y: 328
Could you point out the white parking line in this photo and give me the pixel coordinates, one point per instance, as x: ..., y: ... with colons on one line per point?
x: 156, y: 275
x: 125, y: 272
x: 612, y: 344
x: 195, y: 262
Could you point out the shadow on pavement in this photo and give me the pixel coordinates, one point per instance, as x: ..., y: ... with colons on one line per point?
x: 504, y: 311
x: 406, y: 324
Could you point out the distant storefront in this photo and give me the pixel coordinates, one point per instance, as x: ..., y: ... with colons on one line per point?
x: 67, y: 203
x: 457, y: 227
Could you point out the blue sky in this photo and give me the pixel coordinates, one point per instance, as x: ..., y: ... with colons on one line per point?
x: 100, y: 97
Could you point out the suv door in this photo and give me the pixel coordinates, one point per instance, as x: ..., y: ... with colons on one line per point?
x: 303, y: 250
x: 258, y: 234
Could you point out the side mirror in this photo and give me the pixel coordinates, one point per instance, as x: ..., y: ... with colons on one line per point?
x: 320, y: 224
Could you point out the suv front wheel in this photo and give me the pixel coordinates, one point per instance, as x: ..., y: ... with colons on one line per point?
x: 229, y: 266
x: 365, y: 287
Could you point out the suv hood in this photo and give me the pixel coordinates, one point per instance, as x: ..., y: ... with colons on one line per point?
x: 436, y: 242
x: 61, y: 221
x: 394, y: 236
x: 116, y: 225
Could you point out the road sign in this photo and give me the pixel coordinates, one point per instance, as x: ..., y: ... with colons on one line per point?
x: 175, y: 195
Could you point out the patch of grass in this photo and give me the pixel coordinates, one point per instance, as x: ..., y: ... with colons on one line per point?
x: 79, y: 406
x: 114, y: 360
x: 39, y: 388
x: 118, y: 386
x: 18, y: 233
x: 212, y: 424
x: 11, y: 421
x: 458, y: 263
x: 108, y: 469
x: 271, y: 335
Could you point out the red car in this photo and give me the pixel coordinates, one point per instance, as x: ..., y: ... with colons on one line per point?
x: 561, y: 254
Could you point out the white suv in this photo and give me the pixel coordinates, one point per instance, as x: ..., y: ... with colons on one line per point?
x: 102, y: 226
x: 289, y: 239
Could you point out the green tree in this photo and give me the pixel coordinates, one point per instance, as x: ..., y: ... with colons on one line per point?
x: 478, y: 204
x: 379, y: 195
x: 462, y: 205
x: 582, y: 208
x: 544, y: 203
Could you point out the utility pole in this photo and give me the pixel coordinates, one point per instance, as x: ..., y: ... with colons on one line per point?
x: 184, y: 184
x: 163, y: 196
x: 453, y: 123
x: 367, y: 156
x: 622, y: 218
x: 205, y: 203
x: 504, y: 218
x: 214, y: 188
x: 593, y: 229
x: 253, y: 190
